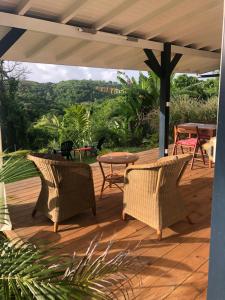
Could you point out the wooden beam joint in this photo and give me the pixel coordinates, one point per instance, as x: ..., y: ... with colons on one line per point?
x: 9, y: 39
x: 152, y: 62
x: 159, y: 69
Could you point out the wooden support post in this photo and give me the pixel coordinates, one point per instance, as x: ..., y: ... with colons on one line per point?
x: 164, y: 72
x: 216, y: 276
x: 164, y: 101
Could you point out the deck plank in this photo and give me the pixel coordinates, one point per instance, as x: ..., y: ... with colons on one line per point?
x: 173, y: 268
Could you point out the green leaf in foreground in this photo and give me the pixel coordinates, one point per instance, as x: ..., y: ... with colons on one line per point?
x: 16, y: 168
x: 29, y: 273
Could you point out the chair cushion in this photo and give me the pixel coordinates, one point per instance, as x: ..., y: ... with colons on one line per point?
x: 188, y: 142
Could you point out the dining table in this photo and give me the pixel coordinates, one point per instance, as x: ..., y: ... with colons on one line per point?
x: 206, y: 131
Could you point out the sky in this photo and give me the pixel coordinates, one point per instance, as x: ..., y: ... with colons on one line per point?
x: 56, y: 73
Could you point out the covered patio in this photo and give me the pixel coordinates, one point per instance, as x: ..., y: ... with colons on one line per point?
x: 177, y: 266
x: 166, y: 37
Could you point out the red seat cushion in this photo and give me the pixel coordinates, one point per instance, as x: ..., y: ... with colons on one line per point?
x: 188, y: 142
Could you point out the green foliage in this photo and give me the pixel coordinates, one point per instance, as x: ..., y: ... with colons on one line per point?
x: 39, y: 137
x: 194, y: 88
x: 138, y: 98
x: 12, y: 119
x: 37, y: 98
x: 28, y: 273
x: 185, y: 109
x: 76, y: 125
x: 51, y: 128
x: 42, y: 115
x: 70, y: 92
x: 18, y: 153
x: 16, y: 168
x: 193, y: 110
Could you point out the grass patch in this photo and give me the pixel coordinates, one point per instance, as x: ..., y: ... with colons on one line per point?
x: 92, y: 159
x: 28, y: 170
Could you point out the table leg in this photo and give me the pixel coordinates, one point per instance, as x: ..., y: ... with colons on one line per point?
x: 111, y: 173
x: 104, y: 179
x: 102, y: 189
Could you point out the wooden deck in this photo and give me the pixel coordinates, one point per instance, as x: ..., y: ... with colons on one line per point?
x: 174, y: 268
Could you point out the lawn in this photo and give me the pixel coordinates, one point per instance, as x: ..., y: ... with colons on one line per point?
x: 29, y: 170
x: 92, y: 159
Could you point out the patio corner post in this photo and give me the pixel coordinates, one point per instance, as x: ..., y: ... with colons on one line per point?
x: 216, y: 277
x: 164, y: 116
x: 163, y: 71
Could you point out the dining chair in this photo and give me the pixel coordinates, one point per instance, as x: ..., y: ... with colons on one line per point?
x: 188, y: 138
x: 66, y: 148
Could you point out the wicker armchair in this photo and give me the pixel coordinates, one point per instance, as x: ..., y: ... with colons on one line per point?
x: 151, y: 194
x: 66, y: 188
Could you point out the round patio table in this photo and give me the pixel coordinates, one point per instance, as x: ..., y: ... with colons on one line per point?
x: 114, y: 158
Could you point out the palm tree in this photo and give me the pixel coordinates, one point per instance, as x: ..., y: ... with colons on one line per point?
x: 76, y: 125
x: 52, y: 124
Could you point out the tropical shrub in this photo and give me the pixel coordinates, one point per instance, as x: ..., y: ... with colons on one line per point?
x: 76, y: 125
x: 185, y: 109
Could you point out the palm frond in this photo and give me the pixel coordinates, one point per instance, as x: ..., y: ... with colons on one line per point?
x: 100, y: 277
x: 4, y: 214
x: 26, y: 273
x: 29, y: 273
x: 17, y: 168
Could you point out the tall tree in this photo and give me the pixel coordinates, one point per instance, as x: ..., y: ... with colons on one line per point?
x: 13, y: 123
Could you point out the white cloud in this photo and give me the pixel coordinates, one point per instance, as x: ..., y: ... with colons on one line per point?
x: 109, y: 75
x: 56, y: 73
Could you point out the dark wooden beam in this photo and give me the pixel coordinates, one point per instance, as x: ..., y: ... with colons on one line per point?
x: 152, y: 62
x: 175, y: 61
x: 10, y: 39
x: 216, y: 280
